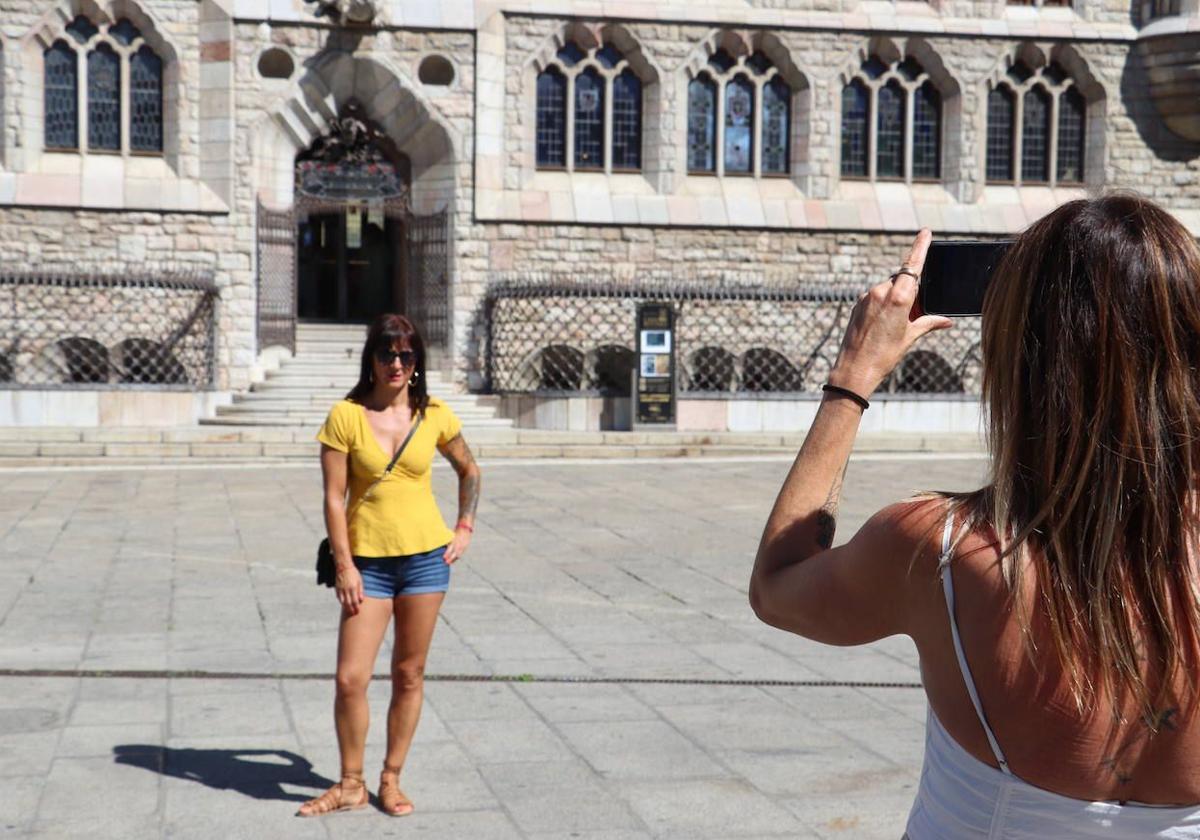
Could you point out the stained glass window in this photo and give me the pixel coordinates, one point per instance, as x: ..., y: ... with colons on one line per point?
x: 570, y: 54
x: 104, y: 98
x: 627, y: 121
x: 855, y: 112
x: 81, y: 29
x: 551, y: 118
x: 1071, y: 112
x: 124, y: 31
x: 145, y: 101
x: 721, y: 61
x: 889, y: 132
x: 927, y: 132
x: 702, y: 125
x: 1035, y: 136
x: 61, y: 97
x: 609, y: 56
x: 759, y: 63
x: 739, y: 125
x: 776, y: 126
x: 589, y: 120
x: 1000, y: 116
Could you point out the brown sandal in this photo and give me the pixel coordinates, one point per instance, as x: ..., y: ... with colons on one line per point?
x: 334, y: 800
x: 391, y: 798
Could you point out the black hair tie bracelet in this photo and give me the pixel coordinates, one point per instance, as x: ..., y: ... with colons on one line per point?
x: 848, y: 394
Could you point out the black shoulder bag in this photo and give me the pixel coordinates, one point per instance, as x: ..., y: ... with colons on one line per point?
x: 326, y: 570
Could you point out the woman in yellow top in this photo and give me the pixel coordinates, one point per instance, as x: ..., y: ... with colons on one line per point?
x: 392, y: 549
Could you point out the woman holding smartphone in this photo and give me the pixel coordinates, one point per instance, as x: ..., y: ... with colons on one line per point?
x: 392, y: 550
x: 1056, y: 610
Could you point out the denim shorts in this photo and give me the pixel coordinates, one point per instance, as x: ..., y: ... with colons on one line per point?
x: 409, y: 574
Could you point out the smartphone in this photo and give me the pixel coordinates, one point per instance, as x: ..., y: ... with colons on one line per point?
x: 956, y: 275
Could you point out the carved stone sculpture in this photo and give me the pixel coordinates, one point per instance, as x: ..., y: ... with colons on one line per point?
x: 358, y: 12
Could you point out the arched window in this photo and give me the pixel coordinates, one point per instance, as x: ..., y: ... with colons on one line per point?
x: 739, y: 125
x: 777, y: 122
x: 578, y: 92
x: 61, y: 81
x: 551, y: 118
x: 627, y: 121
x: 1071, y: 109
x: 748, y: 145
x: 927, y: 132
x: 1035, y: 136
x: 879, y: 138
x: 589, y: 120
x: 889, y: 132
x: 104, y: 98
x: 120, y: 66
x: 145, y: 101
x: 562, y: 368
x: 1022, y: 143
x: 764, y: 369
x: 712, y: 370
x: 702, y: 125
x: 856, y: 111
x: 1001, y: 111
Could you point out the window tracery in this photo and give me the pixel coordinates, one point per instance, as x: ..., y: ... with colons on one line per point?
x: 1036, y: 127
x: 891, y: 122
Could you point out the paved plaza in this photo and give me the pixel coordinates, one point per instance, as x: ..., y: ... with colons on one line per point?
x: 184, y: 654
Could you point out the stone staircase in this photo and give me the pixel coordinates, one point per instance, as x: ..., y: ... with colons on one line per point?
x: 301, y: 391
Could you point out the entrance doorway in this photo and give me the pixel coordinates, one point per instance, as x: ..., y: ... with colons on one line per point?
x: 350, y: 265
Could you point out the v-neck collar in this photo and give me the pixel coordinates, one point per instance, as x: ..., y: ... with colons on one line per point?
x: 371, y: 432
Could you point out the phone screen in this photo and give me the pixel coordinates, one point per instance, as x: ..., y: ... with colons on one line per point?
x: 956, y: 275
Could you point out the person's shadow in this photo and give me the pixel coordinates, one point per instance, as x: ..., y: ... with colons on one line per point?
x: 244, y: 771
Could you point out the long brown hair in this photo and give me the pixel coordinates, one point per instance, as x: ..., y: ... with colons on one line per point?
x: 385, y: 331
x: 1091, y: 381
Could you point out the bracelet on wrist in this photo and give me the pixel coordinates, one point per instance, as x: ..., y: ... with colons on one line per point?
x: 466, y: 525
x: 862, y: 401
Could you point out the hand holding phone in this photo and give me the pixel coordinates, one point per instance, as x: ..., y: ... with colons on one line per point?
x: 956, y: 276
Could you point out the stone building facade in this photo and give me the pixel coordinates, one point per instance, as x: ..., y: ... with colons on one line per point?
x: 450, y: 91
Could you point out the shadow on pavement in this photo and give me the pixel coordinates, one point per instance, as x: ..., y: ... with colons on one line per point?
x: 260, y: 774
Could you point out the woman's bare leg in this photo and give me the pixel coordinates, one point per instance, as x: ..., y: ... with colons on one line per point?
x: 359, y: 637
x: 416, y: 617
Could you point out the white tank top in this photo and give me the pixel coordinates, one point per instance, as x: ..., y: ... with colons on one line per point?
x: 961, y: 798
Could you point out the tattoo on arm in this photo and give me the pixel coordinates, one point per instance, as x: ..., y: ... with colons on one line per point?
x: 459, y: 455
x: 827, y: 515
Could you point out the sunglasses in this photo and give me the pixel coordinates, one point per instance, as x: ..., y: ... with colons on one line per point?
x: 385, y: 356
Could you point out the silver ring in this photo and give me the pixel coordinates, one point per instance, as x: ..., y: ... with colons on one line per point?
x: 907, y: 271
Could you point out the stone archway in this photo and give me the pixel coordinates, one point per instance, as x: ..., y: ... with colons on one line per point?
x: 354, y: 154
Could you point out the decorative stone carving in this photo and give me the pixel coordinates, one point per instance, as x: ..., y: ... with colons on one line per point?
x: 348, y: 12
x: 1172, y: 65
x: 351, y: 162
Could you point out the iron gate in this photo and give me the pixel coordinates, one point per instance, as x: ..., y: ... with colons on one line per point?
x: 276, y: 278
x: 429, y: 276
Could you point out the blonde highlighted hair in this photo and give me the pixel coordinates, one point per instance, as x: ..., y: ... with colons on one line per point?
x: 1091, y: 381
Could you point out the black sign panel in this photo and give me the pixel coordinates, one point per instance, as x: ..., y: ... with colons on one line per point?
x: 654, y: 398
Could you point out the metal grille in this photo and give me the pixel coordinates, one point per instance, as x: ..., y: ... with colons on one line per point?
x: 276, y: 278
x: 777, y: 122
x: 1071, y: 111
x: 1035, y: 136
x: 61, y: 97
x: 107, y: 329
x: 551, y: 118
x: 429, y: 277
x: 589, y: 120
x: 1000, y: 107
x: 739, y: 125
x: 627, y: 122
x: 145, y: 104
x: 889, y: 134
x: 855, y: 107
x: 927, y: 132
x: 702, y: 125
x: 553, y: 333
x: 104, y: 99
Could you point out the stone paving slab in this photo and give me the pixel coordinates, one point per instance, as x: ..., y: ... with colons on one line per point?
x: 630, y: 573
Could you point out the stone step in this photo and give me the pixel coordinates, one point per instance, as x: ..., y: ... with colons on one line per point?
x: 322, y: 400
x: 318, y: 419
x: 282, y: 411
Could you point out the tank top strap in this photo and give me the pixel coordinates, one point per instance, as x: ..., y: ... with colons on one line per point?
x: 948, y: 588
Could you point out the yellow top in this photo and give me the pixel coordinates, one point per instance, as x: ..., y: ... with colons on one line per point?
x: 401, y: 515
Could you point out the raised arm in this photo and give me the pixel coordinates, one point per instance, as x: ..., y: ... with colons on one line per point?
x: 469, y: 478
x: 800, y: 583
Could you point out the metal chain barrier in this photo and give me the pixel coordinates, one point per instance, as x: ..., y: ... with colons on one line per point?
x: 555, y: 334
x: 107, y: 329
